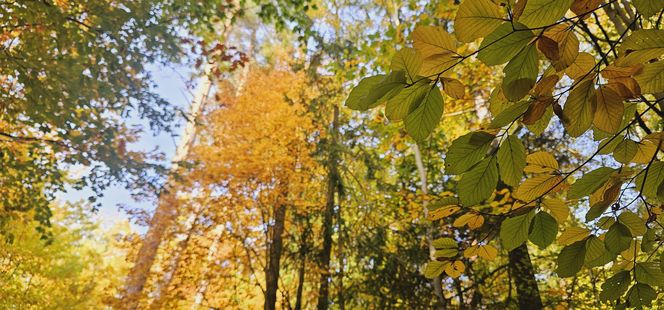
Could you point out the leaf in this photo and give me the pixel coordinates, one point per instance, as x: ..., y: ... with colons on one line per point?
x: 509, y: 114
x: 406, y: 101
x: 514, y: 230
x: 433, y: 40
x: 609, y: 112
x: 557, y: 208
x: 511, y: 160
x: 596, y: 253
x: 641, y: 46
x: 590, y: 182
x: 504, y: 43
x: 541, y: 124
x: 473, y: 220
x: 437, y: 64
x: 442, y: 212
x: 625, y: 151
x: 615, y: 286
x: 455, y: 269
x: 636, y: 225
x: 521, y: 73
x: 421, y: 122
x: 543, y: 229
x: 649, y: 273
x: 537, y: 186
x: 487, y: 252
x: 568, y: 45
x: 453, y: 88
x: 647, y: 184
x: 549, y: 48
x: 614, y: 71
x: 645, y: 150
x: 538, y: 13
x: 641, y: 295
x: 627, y: 87
x: 582, y: 66
x: 607, y: 197
x: 617, y: 238
x: 579, y: 109
x: 571, y: 259
x: 582, y: 7
x: 648, y: 8
x: 389, y: 87
x: 475, y: 19
x: 608, y: 145
x: 537, y: 109
x: 572, y: 234
x: 466, y: 151
x: 651, y: 79
x: 444, y: 243
x: 357, y: 99
x: 408, y: 61
x: 478, y: 183
x: 541, y: 162
x: 435, y: 268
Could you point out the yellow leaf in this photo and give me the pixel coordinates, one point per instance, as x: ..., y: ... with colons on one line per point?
x: 442, y: 212
x: 610, y: 110
x: 580, y: 108
x: 557, y: 208
x: 487, y: 252
x: 538, y: 186
x: 581, y: 67
x: 644, y: 152
x: 433, y: 40
x: 541, y: 162
x: 455, y: 269
x: 435, y: 64
x: 473, y: 220
x: 568, y: 45
x: 476, y: 19
x: 614, y: 71
x: 573, y: 234
x: 633, y: 248
x: 453, y: 88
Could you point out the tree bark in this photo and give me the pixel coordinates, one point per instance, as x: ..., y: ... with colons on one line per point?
x: 435, y: 282
x: 275, y: 231
x: 304, y: 248
x: 523, y: 273
x: 332, y: 182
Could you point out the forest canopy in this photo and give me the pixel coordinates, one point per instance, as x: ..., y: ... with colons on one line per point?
x: 453, y: 154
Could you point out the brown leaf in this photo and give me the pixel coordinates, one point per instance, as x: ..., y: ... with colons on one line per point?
x: 549, y: 48
x: 536, y: 110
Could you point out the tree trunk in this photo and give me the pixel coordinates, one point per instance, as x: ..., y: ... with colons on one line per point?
x: 275, y: 231
x: 524, y: 279
x: 435, y: 282
x: 304, y: 248
x: 332, y: 182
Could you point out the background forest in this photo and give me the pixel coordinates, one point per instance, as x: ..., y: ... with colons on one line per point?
x: 516, y: 163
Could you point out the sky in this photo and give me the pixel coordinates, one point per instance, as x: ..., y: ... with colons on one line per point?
x: 171, y: 85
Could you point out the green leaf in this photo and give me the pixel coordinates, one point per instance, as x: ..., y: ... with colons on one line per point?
x: 409, y: 61
x: 466, y: 151
x: 357, y: 99
x: 590, y: 182
x: 511, y: 160
x: 389, y: 87
x: 625, y: 151
x: 641, y: 46
x: 596, y: 253
x: 579, y: 110
x: 649, y: 240
x: 521, y: 73
x: 477, y: 184
x: 651, y: 79
x: 654, y: 177
x: 617, y: 239
x: 444, y: 243
x: 571, y: 259
x: 641, y: 295
x: 514, y: 231
x: 434, y: 269
x: 406, y: 101
x: 504, y: 43
x: 543, y: 229
x: 615, y: 286
x: 648, y: 8
x: 421, y: 122
x: 649, y: 273
x: 476, y: 19
x: 510, y: 114
x: 538, y: 13
x: 608, y: 145
x: 636, y: 225
x: 540, y: 125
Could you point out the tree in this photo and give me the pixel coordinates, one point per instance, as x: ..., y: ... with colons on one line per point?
x: 611, y: 90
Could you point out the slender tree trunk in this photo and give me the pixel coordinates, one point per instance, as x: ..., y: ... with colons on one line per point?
x: 523, y: 274
x: 328, y: 215
x: 435, y: 282
x: 342, y: 259
x: 276, y: 230
x: 304, y: 248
